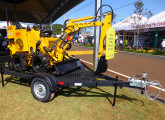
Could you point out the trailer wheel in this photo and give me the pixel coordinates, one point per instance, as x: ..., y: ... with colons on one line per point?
x: 40, y: 63
x: 19, y: 62
x: 41, y: 91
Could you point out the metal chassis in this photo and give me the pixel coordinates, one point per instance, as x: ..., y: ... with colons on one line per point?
x: 108, y: 81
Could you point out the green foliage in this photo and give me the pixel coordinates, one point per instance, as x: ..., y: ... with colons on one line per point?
x: 88, y: 45
x: 139, y: 7
x: 129, y: 50
x: 57, y: 28
x: 141, y: 51
x: 145, y: 51
x: 146, y: 48
x: 85, y: 30
x: 149, y: 14
x: 47, y: 27
x: 159, y: 52
x: 114, y: 17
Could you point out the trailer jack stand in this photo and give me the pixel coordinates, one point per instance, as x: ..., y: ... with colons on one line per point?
x: 115, y: 91
x: 1, y: 69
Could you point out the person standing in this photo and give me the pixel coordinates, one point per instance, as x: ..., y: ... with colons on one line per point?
x: 126, y: 43
x: 117, y: 43
x: 163, y: 44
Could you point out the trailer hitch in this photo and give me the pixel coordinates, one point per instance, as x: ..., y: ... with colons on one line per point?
x: 143, y: 83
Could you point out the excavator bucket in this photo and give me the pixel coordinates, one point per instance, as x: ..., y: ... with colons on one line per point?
x: 66, y: 66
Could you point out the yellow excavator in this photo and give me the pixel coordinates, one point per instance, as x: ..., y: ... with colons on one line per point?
x: 24, y: 45
x: 48, y: 67
x: 29, y: 50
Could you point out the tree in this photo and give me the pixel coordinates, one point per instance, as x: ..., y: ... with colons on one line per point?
x: 140, y: 12
x: 83, y: 31
x: 114, y: 18
x: 56, y: 28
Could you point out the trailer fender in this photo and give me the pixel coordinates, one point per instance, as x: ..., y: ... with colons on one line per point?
x: 49, y: 78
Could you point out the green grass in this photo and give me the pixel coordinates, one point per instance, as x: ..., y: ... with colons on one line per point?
x: 146, y: 51
x: 17, y: 102
x: 88, y: 45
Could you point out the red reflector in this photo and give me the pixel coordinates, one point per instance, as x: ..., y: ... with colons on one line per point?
x: 61, y: 83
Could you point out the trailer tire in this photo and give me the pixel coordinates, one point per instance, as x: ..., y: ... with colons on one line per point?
x: 41, y: 90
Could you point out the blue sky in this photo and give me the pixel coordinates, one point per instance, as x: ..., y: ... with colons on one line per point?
x: 87, y: 8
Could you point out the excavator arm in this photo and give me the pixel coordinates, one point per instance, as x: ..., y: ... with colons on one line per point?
x: 74, y: 25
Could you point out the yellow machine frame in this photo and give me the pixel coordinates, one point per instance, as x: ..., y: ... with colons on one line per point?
x: 22, y: 40
x: 25, y: 41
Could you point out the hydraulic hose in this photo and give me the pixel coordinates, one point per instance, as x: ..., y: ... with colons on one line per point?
x: 104, y: 12
x: 61, y: 38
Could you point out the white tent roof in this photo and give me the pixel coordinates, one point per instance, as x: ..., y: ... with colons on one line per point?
x: 130, y: 24
x: 157, y: 18
x: 132, y: 20
x: 4, y: 24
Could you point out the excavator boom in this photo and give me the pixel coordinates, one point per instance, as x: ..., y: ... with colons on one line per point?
x: 74, y: 25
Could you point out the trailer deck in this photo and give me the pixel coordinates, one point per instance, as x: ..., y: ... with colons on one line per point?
x: 76, y: 78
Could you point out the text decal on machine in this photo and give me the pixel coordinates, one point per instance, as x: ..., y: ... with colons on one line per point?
x: 110, y: 43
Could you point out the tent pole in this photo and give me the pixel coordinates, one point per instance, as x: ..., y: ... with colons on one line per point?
x: 97, y: 32
x: 156, y: 38
x: 6, y: 12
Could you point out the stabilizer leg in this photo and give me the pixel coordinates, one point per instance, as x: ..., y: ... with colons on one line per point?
x: 1, y: 69
x: 115, y: 91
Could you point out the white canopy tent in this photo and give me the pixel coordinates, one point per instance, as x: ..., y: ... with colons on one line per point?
x: 128, y: 23
x: 157, y: 21
x: 3, y: 25
x: 148, y: 25
x: 158, y: 18
x: 131, y: 22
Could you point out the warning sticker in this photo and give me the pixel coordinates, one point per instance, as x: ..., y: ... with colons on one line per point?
x: 18, y: 34
x: 110, y: 43
x: 10, y: 33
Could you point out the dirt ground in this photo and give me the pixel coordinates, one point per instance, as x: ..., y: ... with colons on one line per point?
x: 131, y: 64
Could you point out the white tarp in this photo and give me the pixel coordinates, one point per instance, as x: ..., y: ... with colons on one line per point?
x: 158, y: 18
x: 130, y: 21
x: 130, y: 24
x: 3, y: 25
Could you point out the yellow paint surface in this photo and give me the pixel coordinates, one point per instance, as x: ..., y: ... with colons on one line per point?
x: 145, y: 50
x: 110, y: 43
x: 86, y: 52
